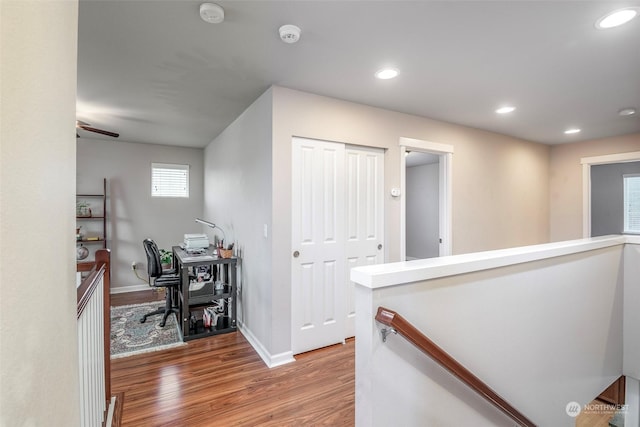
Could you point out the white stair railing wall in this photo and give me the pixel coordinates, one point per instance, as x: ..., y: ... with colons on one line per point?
x: 542, y: 325
x: 91, y: 356
x: 96, y: 405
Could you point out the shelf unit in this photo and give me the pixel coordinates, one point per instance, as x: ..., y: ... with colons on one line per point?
x: 96, y: 223
x: 199, y: 276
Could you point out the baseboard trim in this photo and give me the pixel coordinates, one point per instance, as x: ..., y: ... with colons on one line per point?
x: 125, y: 289
x: 271, y: 360
x: 115, y: 410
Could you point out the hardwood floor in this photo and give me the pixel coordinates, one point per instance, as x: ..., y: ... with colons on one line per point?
x: 221, y: 380
x: 152, y: 294
x: 598, y: 416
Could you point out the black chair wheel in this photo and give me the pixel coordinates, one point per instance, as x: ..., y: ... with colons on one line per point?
x: 144, y: 319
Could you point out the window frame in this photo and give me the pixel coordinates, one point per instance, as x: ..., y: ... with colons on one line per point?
x: 626, y: 202
x: 169, y: 192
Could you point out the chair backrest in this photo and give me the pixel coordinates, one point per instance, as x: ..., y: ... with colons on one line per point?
x: 154, y: 266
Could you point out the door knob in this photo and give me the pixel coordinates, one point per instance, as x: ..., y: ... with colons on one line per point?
x: 296, y: 254
x: 379, y: 246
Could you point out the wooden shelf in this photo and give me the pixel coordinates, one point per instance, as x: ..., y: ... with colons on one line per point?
x: 193, y: 303
x: 205, y: 300
x: 90, y: 224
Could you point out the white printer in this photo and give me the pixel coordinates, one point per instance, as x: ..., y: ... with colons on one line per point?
x: 196, y: 241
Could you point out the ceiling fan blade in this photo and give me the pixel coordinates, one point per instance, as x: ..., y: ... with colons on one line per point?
x: 100, y: 131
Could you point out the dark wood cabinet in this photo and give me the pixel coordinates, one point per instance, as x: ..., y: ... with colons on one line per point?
x: 207, y: 297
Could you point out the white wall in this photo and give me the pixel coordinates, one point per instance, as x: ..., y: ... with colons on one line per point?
x: 632, y: 309
x: 565, y: 181
x: 248, y: 185
x: 541, y: 331
x: 132, y: 213
x: 423, y: 226
x: 499, y: 182
x: 38, y: 343
x: 237, y: 197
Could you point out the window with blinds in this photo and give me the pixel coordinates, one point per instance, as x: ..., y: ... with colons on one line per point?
x: 632, y: 203
x: 169, y: 180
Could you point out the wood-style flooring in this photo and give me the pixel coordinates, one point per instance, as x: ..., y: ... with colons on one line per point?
x: 221, y: 381
x: 596, y: 418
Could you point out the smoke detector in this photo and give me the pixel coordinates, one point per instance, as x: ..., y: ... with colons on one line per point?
x: 289, y: 33
x: 211, y: 13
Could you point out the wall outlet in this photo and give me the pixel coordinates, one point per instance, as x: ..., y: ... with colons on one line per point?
x: 134, y: 265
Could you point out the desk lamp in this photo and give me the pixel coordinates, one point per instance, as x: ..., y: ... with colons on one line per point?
x: 212, y: 225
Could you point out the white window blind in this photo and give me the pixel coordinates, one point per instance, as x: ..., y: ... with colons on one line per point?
x: 632, y: 203
x: 169, y: 180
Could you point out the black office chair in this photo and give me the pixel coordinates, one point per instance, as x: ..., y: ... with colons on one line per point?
x: 168, y: 279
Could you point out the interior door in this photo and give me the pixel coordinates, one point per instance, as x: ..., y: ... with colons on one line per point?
x: 364, y: 177
x: 318, y: 237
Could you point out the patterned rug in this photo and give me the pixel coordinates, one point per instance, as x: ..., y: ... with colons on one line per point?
x: 130, y: 337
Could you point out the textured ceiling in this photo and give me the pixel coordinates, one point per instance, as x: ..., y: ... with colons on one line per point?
x: 155, y: 72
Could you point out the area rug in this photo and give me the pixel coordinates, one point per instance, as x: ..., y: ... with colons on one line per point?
x: 130, y: 337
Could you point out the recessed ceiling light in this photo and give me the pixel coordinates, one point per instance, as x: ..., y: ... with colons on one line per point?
x: 627, y: 112
x: 617, y: 18
x: 572, y: 131
x: 506, y: 109
x: 387, y: 73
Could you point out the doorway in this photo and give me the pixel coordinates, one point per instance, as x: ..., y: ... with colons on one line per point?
x: 425, y: 180
x: 422, y: 204
x: 587, y: 163
x: 337, y: 224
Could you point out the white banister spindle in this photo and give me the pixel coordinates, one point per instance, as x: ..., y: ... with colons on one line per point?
x: 91, y: 354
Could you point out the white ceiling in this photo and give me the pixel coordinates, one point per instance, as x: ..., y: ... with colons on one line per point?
x: 416, y: 158
x: 155, y: 72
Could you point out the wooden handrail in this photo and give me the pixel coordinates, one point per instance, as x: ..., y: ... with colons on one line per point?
x: 104, y: 256
x: 412, y: 334
x: 88, y: 286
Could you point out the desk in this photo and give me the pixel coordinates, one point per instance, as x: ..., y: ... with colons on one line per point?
x: 208, y: 285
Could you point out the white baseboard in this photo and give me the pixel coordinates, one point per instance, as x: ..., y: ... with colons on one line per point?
x: 112, y: 405
x: 124, y: 289
x: 271, y: 360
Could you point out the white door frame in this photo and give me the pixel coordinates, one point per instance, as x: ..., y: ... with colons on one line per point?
x: 445, y: 152
x: 587, y: 162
